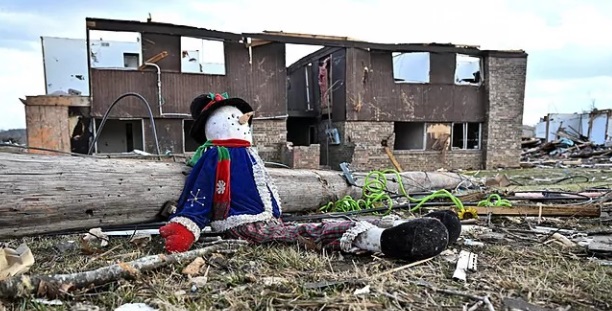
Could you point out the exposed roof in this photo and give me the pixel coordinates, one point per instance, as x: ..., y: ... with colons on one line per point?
x: 291, y: 38
x: 159, y: 28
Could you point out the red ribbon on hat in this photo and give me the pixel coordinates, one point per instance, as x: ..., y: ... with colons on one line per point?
x: 215, y: 98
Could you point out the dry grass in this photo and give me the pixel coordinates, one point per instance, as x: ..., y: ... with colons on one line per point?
x: 281, y: 277
x: 290, y: 277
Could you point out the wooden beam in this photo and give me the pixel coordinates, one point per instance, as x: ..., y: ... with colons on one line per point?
x: 560, y: 210
x: 306, y: 35
x: 154, y: 59
x: 58, y: 101
x: 396, y: 164
x: 258, y: 42
x: 48, y: 193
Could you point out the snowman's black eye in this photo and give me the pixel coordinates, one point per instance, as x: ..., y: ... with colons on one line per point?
x: 232, y: 123
x: 228, y: 118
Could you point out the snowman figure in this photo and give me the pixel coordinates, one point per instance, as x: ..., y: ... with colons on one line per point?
x: 230, y: 189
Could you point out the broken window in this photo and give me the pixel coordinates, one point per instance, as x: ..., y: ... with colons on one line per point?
x: 438, y: 136
x: 131, y: 60
x: 466, y: 135
x: 409, y: 135
x: 411, y: 67
x: 301, y: 131
x: 114, y: 49
x: 119, y: 136
x: 190, y: 145
x: 467, y: 70
x: 202, y: 56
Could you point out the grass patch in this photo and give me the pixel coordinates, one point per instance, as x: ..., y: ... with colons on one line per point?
x: 288, y: 277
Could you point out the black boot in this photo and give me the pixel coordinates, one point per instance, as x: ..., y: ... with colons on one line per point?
x: 450, y: 221
x: 415, y: 239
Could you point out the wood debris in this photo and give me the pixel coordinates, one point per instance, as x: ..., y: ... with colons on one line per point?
x: 57, y: 285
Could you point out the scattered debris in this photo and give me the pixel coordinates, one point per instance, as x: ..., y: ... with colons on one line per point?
x: 569, y: 149
x: 79, y: 306
x: 270, y: 281
x: 467, y: 262
x: 54, y: 302
x: 601, y: 245
x: 546, y: 248
x: 135, y: 307
x: 14, y: 262
x: 96, y: 234
x: 140, y: 240
x: 521, y: 305
x: 194, y: 267
x: 51, y: 285
x: 362, y: 291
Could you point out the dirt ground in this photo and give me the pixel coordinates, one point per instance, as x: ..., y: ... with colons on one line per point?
x: 514, y: 264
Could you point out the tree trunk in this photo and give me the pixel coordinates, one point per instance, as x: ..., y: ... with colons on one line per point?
x: 41, y: 194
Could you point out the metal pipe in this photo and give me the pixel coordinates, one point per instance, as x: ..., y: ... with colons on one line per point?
x: 160, y: 99
x: 307, y: 88
x: 177, y: 115
x: 159, y: 87
x: 145, y: 102
x: 272, y: 118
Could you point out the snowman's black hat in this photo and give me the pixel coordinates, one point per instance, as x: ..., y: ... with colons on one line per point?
x: 202, y: 107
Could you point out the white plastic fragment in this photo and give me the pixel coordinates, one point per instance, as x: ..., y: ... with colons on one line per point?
x: 470, y: 242
x: 135, y: 307
x: 362, y: 291
x: 467, y: 261
x: 54, y: 302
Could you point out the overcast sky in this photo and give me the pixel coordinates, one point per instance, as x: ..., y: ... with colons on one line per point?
x: 568, y: 41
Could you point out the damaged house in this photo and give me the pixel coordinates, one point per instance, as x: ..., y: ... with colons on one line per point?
x: 423, y: 107
x: 164, y: 73
x: 415, y: 106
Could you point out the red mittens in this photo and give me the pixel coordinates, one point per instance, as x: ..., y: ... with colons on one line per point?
x: 178, y: 238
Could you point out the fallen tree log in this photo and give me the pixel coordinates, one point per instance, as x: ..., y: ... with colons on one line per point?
x: 41, y: 194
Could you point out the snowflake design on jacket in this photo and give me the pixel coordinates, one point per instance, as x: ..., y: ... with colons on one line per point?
x: 195, y: 198
x: 220, y: 187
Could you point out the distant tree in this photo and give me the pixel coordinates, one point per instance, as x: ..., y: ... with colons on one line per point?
x: 16, y: 136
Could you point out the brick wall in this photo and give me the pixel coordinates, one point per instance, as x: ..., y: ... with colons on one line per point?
x: 504, y: 80
x: 269, y: 137
x: 361, y: 146
x: 302, y: 157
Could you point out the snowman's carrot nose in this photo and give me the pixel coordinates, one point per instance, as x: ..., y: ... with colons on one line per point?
x: 245, y: 117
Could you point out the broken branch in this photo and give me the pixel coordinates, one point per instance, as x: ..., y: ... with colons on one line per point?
x: 43, y: 285
x: 484, y: 299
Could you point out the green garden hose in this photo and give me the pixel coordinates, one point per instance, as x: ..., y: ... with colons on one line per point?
x: 498, y: 201
x: 374, y: 195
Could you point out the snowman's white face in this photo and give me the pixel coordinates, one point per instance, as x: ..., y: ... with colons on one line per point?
x: 224, y: 123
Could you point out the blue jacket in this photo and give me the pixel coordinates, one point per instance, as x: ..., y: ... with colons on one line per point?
x: 253, y: 195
